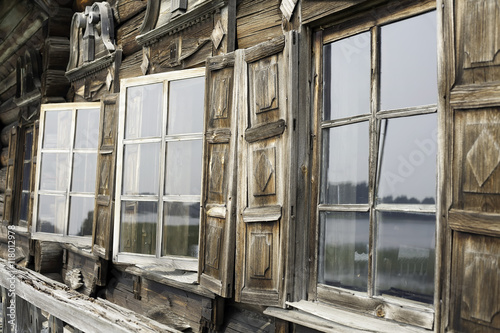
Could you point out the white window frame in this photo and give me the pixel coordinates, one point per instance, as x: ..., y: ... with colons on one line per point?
x: 63, y: 238
x: 177, y: 262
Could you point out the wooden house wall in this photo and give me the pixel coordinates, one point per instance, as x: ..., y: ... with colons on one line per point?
x: 468, y: 230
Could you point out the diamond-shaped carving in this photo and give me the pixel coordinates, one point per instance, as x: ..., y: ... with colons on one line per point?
x: 484, y: 156
x: 217, y: 162
x: 263, y: 171
x: 217, y: 34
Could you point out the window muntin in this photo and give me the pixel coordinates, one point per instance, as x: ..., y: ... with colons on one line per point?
x: 159, y: 186
x: 364, y: 218
x: 66, y: 175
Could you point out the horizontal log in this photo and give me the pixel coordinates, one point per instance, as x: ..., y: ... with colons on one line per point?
x: 123, y: 10
x: 5, y: 134
x: 265, y: 131
x: 4, y: 156
x: 3, y: 181
x: 126, y: 34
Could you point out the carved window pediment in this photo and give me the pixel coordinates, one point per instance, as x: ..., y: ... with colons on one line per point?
x: 92, y: 41
x: 166, y: 17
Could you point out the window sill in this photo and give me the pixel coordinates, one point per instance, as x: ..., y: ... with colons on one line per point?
x: 326, y: 318
x: 184, y: 280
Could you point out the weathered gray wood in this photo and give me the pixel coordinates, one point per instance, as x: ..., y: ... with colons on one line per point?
x: 123, y: 10
x: 105, y: 181
x: 265, y: 131
x: 218, y: 221
x: 100, y: 315
x: 48, y: 257
x: 264, y: 79
x: 127, y: 33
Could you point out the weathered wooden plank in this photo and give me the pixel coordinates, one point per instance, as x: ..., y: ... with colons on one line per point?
x: 265, y: 131
x: 352, y: 319
x: 127, y: 32
x: 257, y: 21
x: 124, y: 10
x: 475, y: 222
x: 57, y: 299
x: 48, y: 257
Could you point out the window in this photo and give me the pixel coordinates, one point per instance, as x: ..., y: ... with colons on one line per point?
x: 67, y: 171
x: 159, y: 167
x: 26, y: 172
x: 376, y: 201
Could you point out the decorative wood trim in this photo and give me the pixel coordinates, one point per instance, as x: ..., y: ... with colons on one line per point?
x: 262, y: 214
x: 265, y: 131
x: 474, y: 222
x: 95, y: 66
x: 199, y: 14
x: 265, y: 49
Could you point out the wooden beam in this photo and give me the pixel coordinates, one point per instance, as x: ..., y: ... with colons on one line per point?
x: 94, y: 315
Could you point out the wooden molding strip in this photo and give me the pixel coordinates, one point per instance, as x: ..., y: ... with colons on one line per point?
x: 474, y: 222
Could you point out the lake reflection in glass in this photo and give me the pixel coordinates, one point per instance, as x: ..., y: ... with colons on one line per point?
x: 138, y: 227
x: 407, y: 155
x: 347, y: 76
x: 405, y: 255
x: 344, y: 170
x: 181, y: 226
x: 343, y: 257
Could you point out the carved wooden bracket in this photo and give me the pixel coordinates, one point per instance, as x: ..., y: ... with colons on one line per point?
x: 88, y: 22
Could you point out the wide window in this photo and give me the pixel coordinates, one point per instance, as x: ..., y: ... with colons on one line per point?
x: 159, y: 167
x: 376, y: 202
x: 66, y: 172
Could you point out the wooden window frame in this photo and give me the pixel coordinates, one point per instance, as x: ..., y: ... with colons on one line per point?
x: 64, y: 238
x: 178, y: 262
x: 29, y: 128
x: 399, y: 309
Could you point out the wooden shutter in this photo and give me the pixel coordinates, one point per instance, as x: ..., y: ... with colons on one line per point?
x: 472, y: 122
x: 265, y: 81
x: 105, y: 178
x: 218, y: 220
x: 11, y: 174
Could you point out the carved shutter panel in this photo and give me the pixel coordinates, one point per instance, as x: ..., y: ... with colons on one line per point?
x: 216, y: 258
x: 11, y: 174
x: 473, y: 126
x: 264, y: 77
x: 34, y: 154
x: 105, y: 178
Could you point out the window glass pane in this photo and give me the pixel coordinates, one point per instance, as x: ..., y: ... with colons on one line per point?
x: 51, y: 214
x: 28, y: 145
x: 345, y: 164
x: 141, y: 169
x: 183, y: 168
x: 144, y: 111
x: 185, y: 107
x: 181, y: 228
x: 409, y: 62
x: 81, y: 216
x: 407, y: 158
x: 25, y: 200
x: 347, y: 76
x: 54, y: 171
x: 405, y: 255
x: 57, y: 131
x: 87, y: 128
x: 26, y: 176
x: 138, y: 227
x: 84, y: 172
x: 343, y: 255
